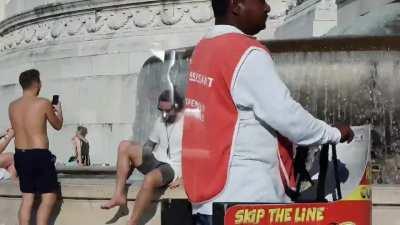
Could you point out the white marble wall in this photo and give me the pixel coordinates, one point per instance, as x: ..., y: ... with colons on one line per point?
x: 312, y: 18
x: 275, y: 18
x: 351, y: 9
x: 90, y: 52
x: 92, y: 60
x: 2, y: 9
x: 14, y: 7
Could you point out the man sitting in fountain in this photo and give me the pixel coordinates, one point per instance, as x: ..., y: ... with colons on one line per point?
x: 159, y: 159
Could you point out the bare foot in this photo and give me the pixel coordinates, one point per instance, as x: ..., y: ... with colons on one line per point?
x: 115, y: 201
x: 122, y: 211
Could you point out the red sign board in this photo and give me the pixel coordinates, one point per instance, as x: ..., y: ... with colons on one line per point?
x: 334, y: 213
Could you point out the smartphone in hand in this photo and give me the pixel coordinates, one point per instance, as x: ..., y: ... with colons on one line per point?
x: 55, y: 99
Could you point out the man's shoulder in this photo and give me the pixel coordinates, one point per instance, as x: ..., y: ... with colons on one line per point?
x: 239, y: 40
x: 13, y: 103
x: 243, y: 44
x: 75, y: 139
x: 44, y: 101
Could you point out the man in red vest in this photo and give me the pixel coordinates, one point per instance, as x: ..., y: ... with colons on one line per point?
x: 236, y: 108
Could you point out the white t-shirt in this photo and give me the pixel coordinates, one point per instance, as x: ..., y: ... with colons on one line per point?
x: 168, y: 136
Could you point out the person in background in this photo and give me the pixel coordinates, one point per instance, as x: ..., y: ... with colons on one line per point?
x: 81, y: 146
x: 159, y: 159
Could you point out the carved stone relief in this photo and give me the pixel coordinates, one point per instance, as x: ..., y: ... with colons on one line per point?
x: 98, y: 22
x: 145, y: 17
x: 201, y: 13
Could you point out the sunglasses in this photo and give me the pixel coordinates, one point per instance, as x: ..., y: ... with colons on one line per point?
x: 164, y: 110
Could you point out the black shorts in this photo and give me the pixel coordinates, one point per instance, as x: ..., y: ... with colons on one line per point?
x: 36, y: 171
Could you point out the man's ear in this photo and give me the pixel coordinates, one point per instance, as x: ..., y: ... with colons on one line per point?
x: 237, y: 7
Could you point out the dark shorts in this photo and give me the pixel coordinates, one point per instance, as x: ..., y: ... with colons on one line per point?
x: 150, y: 163
x: 36, y: 171
x: 202, y: 219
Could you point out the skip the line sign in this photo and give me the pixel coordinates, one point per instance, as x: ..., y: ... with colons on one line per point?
x: 337, y: 213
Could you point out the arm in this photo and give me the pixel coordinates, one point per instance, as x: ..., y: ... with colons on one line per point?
x: 178, y: 180
x: 177, y: 166
x: 5, y: 140
x: 78, y: 149
x: 54, y: 115
x: 259, y: 87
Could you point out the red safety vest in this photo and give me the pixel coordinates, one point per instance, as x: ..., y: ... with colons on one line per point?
x: 211, y: 115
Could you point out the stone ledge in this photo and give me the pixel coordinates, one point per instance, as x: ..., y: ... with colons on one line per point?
x: 99, y: 188
x: 386, y: 195
x: 83, y: 196
x: 102, y: 187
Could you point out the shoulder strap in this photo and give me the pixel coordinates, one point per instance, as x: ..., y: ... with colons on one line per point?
x: 323, y: 169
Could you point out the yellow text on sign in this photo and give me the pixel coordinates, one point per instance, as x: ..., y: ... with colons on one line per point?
x: 249, y: 216
x: 299, y: 215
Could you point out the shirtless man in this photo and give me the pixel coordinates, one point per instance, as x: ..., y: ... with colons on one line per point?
x: 33, y: 161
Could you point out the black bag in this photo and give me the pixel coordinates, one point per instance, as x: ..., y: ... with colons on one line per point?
x: 302, y: 175
x: 176, y: 212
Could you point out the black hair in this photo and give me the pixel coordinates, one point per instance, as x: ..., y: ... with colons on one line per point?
x: 178, y: 99
x: 220, y: 7
x: 28, y: 77
x: 83, y: 130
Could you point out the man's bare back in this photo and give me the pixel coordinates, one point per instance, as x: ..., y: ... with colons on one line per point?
x: 28, y: 116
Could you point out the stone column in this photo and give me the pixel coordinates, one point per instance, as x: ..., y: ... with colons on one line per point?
x: 2, y: 10
x: 325, y: 17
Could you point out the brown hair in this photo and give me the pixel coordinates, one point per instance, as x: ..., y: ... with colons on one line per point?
x: 28, y: 77
x: 82, y: 130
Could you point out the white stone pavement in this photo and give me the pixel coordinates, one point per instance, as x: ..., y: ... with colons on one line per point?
x: 83, y: 197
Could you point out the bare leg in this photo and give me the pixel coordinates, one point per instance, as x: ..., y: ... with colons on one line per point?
x: 11, y: 169
x: 129, y: 157
x: 45, y: 208
x: 152, y: 181
x: 6, y: 160
x: 24, y: 214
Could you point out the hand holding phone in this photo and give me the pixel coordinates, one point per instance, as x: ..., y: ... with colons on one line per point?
x: 56, y: 105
